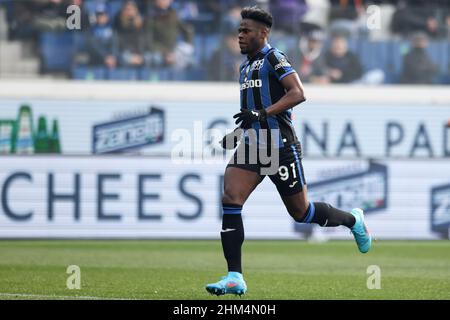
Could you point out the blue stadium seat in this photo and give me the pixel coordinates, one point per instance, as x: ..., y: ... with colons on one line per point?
x: 167, y: 74
x: 196, y: 74
x: 212, y: 42
x: 446, y: 62
x: 397, y: 51
x: 164, y: 74
x: 147, y: 74
x: 199, y: 55
x: 205, y: 46
x: 373, y: 55
x: 113, y: 6
x: 88, y: 73
x: 123, y: 74
x: 90, y: 6
x: 8, y: 4
x: 79, y: 42
x: 445, y: 79
x: 438, y: 51
x: 57, y: 50
x: 189, y: 74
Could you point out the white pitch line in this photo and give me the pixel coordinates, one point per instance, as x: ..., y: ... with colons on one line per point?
x: 26, y: 295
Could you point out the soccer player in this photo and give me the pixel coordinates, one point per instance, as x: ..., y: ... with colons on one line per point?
x: 270, y: 87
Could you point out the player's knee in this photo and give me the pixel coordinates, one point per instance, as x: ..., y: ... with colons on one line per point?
x: 232, y: 197
x: 298, y: 213
x: 298, y: 216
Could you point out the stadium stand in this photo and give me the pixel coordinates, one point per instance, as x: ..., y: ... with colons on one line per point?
x: 57, y: 52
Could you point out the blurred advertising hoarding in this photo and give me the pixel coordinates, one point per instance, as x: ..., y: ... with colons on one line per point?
x: 147, y: 197
x: 156, y: 128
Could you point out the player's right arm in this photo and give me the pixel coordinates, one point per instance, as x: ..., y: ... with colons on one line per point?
x: 295, y: 95
x: 289, y: 79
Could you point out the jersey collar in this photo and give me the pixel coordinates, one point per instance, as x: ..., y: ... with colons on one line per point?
x: 264, y: 50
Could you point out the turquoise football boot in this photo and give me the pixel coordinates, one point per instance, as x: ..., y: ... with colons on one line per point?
x: 233, y: 283
x: 360, y: 232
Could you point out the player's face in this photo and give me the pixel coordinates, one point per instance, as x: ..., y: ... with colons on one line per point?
x: 251, y: 36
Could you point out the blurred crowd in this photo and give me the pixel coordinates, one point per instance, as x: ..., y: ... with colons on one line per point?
x: 321, y: 37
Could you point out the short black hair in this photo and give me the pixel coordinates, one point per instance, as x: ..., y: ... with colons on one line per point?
x: 257, y: 14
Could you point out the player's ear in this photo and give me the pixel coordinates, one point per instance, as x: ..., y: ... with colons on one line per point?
x: 265, y: 32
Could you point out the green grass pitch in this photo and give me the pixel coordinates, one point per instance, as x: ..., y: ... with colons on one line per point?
x: 150, y: 269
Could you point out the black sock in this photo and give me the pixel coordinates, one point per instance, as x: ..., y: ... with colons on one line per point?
x: 232, y: 236
x: 327, y: 216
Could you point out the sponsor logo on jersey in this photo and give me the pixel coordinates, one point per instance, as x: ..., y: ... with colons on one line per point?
x: 257, y: 64
x: 253, y: 83
x: 283, y: 63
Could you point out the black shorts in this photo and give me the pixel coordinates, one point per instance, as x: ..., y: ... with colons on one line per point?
x: 287, y: 173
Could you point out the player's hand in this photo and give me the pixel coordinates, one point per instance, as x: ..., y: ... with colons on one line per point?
x: 247, y: 117
x: 231, y: 140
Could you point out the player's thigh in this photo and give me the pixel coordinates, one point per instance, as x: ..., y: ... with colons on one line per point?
x: 239, y: 184
x: 290, y: 180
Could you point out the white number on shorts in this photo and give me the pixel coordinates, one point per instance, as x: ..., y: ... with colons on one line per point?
x: 293, y: 169
x: 284, y: 172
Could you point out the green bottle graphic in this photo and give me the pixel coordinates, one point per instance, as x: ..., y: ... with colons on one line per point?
x: 54, y: 143
x: 41, y: 142
x: 24, y: 137
x: 7, y: 136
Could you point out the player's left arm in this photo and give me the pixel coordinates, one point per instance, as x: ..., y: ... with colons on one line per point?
x: 295, y: 94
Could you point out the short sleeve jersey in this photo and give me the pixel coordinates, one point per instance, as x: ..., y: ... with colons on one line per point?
x: 260, y: 87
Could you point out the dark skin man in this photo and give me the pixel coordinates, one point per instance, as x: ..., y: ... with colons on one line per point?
x: 269, y: 89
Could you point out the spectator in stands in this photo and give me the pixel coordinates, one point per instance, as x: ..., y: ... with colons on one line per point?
x: 232, y: 18
x: 342, y: 66
x: 316, y: 18
x: 129, y: 27
x: 447, y: 22
x: 51, y: 15
x: 162, y: 28
x: 308, y: 58
x: 215, y: 9
x: 418, y: 68
x: 102, y: 43
x: 21, y: 25
x: 415, y: 15
x: 225, y: 61
x: 288, y: 14
x: 345, y: 17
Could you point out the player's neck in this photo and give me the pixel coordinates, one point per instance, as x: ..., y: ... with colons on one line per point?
x: 253, y: 54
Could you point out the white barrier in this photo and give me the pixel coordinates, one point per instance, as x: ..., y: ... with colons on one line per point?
x: 216, y: 91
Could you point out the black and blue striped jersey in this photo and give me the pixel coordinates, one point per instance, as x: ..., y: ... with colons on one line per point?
x: 260, y: 87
